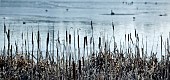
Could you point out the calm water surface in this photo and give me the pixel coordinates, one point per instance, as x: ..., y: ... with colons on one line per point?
x: 147, y: 22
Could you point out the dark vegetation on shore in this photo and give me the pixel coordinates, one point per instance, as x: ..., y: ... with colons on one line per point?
x: 104, y: 64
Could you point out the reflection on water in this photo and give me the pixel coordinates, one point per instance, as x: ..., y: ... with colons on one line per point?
x: 78, y: 14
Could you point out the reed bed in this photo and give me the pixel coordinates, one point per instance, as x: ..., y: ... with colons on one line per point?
x: 119, y: 63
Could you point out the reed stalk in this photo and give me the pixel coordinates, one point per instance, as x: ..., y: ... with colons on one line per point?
x: 79, y: 59
x: 70, y: 56
x: 22, y: 35
x: 74, y: 46
x: 32, y: 54
x: 11, y: 55
x: 4, y: 37
x: 161, y: 47
x: 28, y: 44
x: 38, y: 44
x: 47, y: 43
x: 8, y: 37
x: 26, y: 55
x: 53, y: 45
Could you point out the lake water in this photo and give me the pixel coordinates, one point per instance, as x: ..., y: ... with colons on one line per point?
x: 147, y: 22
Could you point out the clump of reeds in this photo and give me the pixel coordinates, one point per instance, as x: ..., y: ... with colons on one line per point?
x: 106, y: 64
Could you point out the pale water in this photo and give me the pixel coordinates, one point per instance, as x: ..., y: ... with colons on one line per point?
x: 44, y: 14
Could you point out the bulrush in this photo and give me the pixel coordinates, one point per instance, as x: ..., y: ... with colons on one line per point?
x: 123, y: 62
